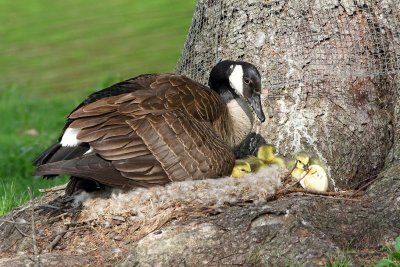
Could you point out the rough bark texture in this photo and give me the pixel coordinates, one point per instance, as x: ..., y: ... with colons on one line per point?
x: 294, y: 229
x: 331, y: 71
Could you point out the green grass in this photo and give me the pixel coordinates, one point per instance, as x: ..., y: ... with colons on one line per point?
x: 339, y: 261
x: 26, y: 130
x: 54, y: 53
x: 393, y: 258
x: 63, y: 46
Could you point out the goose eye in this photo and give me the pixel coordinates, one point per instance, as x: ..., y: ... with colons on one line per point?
x: 247, y: 81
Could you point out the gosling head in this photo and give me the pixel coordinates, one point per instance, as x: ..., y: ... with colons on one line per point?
x: 241, y: 168
x: 302, y: 161
x: 266, y: 152
x: 234, y: 79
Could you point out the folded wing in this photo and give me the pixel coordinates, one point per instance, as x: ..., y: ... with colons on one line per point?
x: 147, y: 137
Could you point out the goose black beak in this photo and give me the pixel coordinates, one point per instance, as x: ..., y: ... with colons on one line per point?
x: 255, y: 103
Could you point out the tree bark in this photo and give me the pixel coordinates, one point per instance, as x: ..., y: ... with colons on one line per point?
x: 295, y: 229
x: 330, y: 70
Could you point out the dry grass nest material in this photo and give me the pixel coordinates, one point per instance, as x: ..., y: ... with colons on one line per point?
x: 105, y: 224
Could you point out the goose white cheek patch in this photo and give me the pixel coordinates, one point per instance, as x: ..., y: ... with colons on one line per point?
x: 69, y: 137
x: 236, y: 79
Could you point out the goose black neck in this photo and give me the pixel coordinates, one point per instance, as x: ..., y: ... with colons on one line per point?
x: 219, y: 77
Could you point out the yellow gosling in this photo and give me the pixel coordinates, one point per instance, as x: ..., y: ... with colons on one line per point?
x: 246, y: 165
x: 267, y: 154
x: 298, y: 165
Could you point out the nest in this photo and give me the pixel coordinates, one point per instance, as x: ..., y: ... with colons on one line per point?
x: 104, y: 225
x: 144, y: 206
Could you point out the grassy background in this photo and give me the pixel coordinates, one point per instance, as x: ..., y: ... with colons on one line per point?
x: 55, y: 53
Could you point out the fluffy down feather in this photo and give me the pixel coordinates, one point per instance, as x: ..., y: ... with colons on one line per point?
x: 150, y: 202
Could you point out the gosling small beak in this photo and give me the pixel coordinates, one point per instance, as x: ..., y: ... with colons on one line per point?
x: 255, y: 103
x: 306, y: 167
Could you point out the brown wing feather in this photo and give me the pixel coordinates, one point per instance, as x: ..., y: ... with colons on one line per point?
x: 168, y: 91
x: 90, y: 167
x: 185, y: 147
x: 149, y: 137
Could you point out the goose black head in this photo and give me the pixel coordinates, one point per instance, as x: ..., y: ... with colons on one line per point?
x: 234, y: 79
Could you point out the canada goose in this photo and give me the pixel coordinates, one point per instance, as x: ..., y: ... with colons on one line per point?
x: 153, y: 129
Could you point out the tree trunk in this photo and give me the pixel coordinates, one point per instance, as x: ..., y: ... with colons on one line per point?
x: 330, y: 70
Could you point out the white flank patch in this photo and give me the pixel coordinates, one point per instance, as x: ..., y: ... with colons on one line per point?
x: 236, y: 79
x: 69, y: 137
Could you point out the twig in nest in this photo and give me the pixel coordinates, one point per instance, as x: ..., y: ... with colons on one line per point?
x: 48, y: 206
x: 287, y: 191
x: 22, y: 233
x: 15, y: 213
x: 57, y: 238
x: 62, y: 232
x: 55, y: 218
x: 15, y: 225
x: 73, y: 223
x: 66, y: 229
x: 53, y: 189
x: 58, y: 213
x: 290, y: 173
x: 327, y: 194
x: 365, y: 185
x: 35, y: 248
x: 298, y: 181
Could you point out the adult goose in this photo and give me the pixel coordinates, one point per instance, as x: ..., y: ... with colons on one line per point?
x: 156, y: 128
